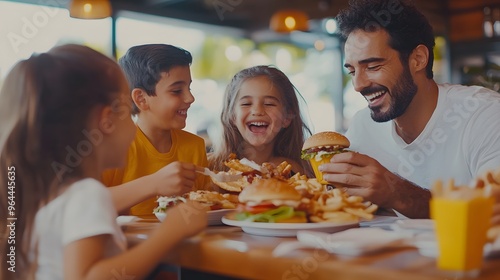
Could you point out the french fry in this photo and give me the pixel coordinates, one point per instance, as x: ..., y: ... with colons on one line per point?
x: 490, y: 179
x: 316, y: 219
x: 479, y: 184
x: 287, y: 170
x: 281, y: 166
x: 450, y: 186
x: 359, y: 212
x: 339, y: 216
x: 437, y: 188
x: 354, y: 199
x: 332, y: 207
x: 371, y: 209
x: 236, y: 165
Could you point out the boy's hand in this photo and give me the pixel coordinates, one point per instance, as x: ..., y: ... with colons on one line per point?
x: 176, y: 178
x: 187, y: 218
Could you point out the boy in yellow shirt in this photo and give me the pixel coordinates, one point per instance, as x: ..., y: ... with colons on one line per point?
x: 162, y: 158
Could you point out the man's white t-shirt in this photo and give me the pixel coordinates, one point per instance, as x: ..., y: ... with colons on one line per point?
x: 460, y: 141
x: 83, y: 210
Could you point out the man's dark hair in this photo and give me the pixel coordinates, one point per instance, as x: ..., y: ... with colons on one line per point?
x: 144, y: 64
x: 406, y: 26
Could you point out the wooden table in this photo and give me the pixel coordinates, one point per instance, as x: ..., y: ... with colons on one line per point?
x: 228, y: 251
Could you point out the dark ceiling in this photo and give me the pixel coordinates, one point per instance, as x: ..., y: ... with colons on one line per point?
x: 250, y: 15
x: 254, y: 15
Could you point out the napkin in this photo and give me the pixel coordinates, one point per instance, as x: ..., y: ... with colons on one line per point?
x: 420, y: 233
x: 351, y: 242
x: 428, y: 247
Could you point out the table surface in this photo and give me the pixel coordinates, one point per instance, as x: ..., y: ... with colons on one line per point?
x: 228, y: 251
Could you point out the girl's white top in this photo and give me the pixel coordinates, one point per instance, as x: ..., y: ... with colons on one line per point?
x: 83, y: 210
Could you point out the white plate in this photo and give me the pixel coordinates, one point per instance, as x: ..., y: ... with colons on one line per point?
x: 161, y: 216
x: 287, y: 229
x: 214, y: 216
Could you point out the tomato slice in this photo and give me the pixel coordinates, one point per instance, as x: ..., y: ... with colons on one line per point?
x: 216, y: 207
x: 259, y: 208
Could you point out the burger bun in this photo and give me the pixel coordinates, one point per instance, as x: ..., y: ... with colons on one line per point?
x: 327, y: 138
x: 268, y: 189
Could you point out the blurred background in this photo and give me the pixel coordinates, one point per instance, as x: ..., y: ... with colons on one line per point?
x: 225, y: 36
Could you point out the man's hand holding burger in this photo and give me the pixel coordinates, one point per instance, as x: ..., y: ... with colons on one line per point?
x: 361, y: 175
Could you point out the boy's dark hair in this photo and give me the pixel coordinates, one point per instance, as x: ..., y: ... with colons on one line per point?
x: 144, y: 64
x: 406, y: 26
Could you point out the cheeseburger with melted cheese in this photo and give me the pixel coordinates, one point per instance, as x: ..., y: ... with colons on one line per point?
x: 320, y: 148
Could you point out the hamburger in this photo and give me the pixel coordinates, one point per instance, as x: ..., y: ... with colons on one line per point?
x: 320, y: 148
x: 212, y: 200
x: 270, y: 201
x: 165, y: 202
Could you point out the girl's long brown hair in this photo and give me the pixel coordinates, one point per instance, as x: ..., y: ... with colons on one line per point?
x: 289, y: 140
x: 45, y: 105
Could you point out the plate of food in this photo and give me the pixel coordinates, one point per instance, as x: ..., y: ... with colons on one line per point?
x: 287, y: 229
x: 217, y: 204
x: 273, y: 203
x: 272, y: 207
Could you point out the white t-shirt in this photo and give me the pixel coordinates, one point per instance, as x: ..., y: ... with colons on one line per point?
x: 83, y: 210
x: 460, y: 141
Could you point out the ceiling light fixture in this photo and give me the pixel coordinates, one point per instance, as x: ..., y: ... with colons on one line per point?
x: 289, y: 20
x: 90, y: 9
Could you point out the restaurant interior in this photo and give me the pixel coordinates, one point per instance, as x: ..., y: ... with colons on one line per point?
x: 225, y: 36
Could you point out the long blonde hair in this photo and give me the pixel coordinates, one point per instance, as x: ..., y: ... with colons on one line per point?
x: 289, y: 140
x: 45, y: 105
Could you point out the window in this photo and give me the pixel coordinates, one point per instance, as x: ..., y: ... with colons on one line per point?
x: 28, y: 29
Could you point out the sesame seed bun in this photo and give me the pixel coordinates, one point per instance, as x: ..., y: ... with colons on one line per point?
x: 268, y: 189
x: 327, y: 138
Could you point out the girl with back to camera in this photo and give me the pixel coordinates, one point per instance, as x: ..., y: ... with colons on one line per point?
x: 261, y: 120
x: 65, y: 117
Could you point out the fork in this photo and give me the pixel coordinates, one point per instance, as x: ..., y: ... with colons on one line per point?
x: 219, y: 177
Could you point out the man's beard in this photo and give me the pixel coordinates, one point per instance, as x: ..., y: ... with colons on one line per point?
x: 402, y: 94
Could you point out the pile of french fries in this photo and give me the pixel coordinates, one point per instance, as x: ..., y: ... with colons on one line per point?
x: 451, y: 191
x: 266, y: 170
x: 331, y: 205
x: 491, y: 181
x: 337, y: 206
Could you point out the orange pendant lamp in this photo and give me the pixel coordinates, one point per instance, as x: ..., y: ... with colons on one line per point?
x: 90, y: 9
x: 289, y: 20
